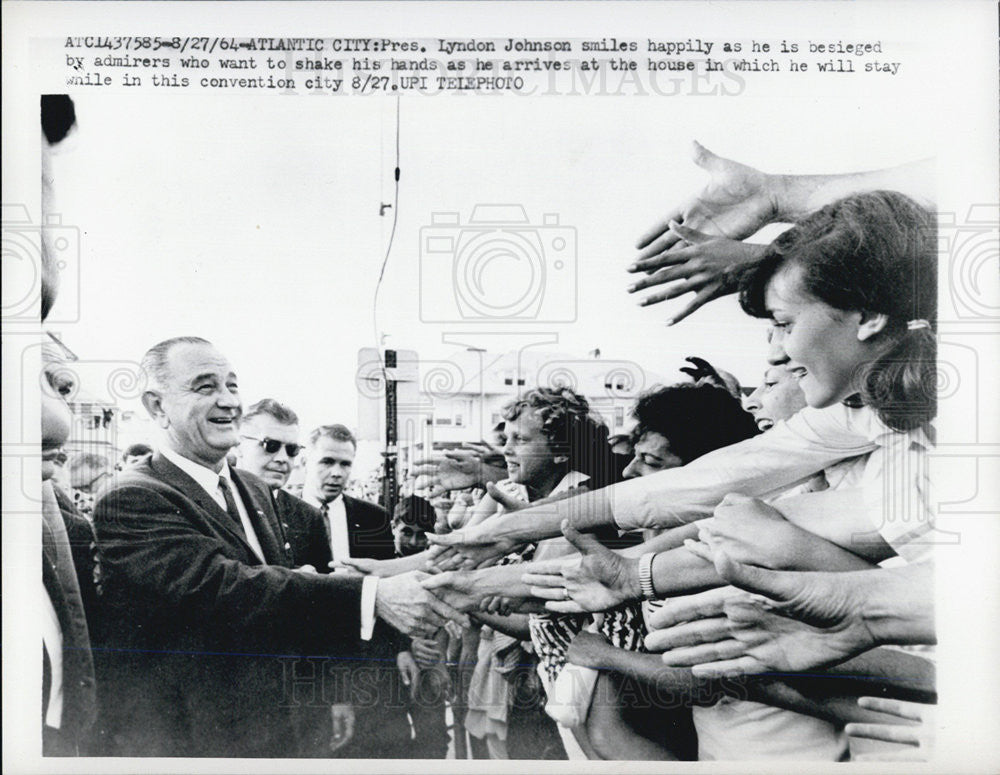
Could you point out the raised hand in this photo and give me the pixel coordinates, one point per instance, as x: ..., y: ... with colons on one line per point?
x: 601, y: 580
x: 708, y: 265
x: 456, y: 588
x: 806, y: 621
x: 700, y: 369
x: 471, y: 546
x: 737, y: 201
x: 690, y: 620
x: 474, y: 465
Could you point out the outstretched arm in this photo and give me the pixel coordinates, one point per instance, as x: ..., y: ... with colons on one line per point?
x: 592, y: 650
x: 604, y: 579
x: 697, y: 245
x: 800, y: 621
x: 384, y: 568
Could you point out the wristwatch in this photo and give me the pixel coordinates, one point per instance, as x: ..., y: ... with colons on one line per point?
x: 646, y: 575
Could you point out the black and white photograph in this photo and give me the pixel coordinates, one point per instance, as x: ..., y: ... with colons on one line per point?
x: 456, y: 383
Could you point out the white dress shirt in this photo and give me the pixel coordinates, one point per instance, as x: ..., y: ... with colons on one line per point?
x: 52, y: 634
x: 340, y: 549
x: 336, y: 514
x: 52, y: 640
x: 208, y: 480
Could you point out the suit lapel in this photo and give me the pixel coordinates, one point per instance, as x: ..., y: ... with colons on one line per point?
x: 351, y: 518
x: 216, y: 515
x: 59, y: 577
x: 267, y: 530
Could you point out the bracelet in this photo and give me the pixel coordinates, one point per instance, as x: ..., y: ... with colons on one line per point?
x: 646, y: 575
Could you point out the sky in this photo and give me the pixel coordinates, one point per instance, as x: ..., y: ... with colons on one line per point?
x: 256, y: 223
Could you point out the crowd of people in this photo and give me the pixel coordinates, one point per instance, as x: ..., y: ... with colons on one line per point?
x: 747, y: 574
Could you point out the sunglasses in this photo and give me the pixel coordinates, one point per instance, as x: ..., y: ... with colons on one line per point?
x: 271, y: 446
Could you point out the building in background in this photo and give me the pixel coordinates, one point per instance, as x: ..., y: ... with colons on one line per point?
x: 443, y: 403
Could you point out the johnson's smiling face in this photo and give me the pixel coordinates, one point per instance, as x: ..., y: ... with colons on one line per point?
x: 199, y: 405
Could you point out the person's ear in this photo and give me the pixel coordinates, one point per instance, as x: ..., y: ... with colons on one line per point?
x: 153, y: 402
x: 561, y: 458
x: 871, y: 323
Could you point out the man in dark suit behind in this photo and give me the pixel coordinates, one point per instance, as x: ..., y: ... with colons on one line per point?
x: 208, y: 618
x: 69, y: 698
x: 269, y: 445
x: 356, y: 528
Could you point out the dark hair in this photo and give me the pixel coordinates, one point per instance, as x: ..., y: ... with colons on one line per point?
x: 272, y: 408
x: 133, y: 450
x: 873, y: 252
x: 570, y: 428
x: 414, y: 510
x: 695, y: 418
x: 154, y: 362
x: 334, y: 432
x: 88, y: 460
x: 58, y: 116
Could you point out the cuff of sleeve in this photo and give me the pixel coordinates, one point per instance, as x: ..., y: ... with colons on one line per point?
x: 629, y: 505
x: 369, y: 587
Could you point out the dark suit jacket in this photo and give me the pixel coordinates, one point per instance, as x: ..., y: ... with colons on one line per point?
x: 206, y: 640
x: 369, y: 529
x: 59, y: 575
x: 304, y: 531
x: 83, y: 546
x: 370, y: 674
x: 369, y: 535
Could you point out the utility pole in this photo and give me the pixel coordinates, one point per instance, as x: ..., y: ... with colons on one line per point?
x: 389, y: 487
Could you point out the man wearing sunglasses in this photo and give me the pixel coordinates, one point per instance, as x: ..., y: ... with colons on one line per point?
x: 269, y: 436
